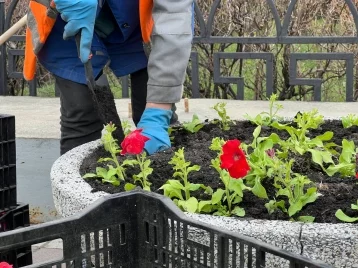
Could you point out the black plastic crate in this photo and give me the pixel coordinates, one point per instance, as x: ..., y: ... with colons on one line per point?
x: 13, y: 220
x: 7, y: 153
x: 7, y: 163
x: 7, y: 199
x: 142, y: 230
x: 18, y: 258
x: 8, y: 189
x: 7, y: 128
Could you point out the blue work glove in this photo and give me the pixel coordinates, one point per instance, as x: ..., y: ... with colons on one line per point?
x: 155, y: 124
x: 80, y: 15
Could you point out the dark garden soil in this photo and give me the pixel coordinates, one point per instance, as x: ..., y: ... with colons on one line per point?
x: 337, y: 193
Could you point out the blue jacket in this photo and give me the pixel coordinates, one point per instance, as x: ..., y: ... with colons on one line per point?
x: 123, y: 47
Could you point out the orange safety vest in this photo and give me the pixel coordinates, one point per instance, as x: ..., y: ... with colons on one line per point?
x: 40, y: 21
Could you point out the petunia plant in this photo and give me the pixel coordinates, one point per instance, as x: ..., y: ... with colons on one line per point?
x: 267, y: 118
x: 231, y: 165
x: 225, y: 120
x: 115, y: 172
x: 350, y: 120
x: 133, y: 144
x: 180, y: 190
x: 194, y: 125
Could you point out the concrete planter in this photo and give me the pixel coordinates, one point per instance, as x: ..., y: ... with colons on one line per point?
x: 335, y: 244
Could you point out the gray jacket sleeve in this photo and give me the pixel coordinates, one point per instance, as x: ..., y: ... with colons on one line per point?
x: 171, y: 42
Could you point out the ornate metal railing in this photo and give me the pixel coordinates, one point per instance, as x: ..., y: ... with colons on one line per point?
x: 233, y: 83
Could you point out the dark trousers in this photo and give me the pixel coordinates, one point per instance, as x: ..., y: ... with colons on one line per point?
x: 80, y: 122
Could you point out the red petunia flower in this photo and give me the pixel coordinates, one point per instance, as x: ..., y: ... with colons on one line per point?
x: 5, y: 265
x: 233, y: 159
x: 357, y: 175
x: 134, y: 142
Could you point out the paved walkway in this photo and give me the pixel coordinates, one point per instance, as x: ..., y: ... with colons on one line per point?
x: 37, y: 132
x: 39, y: 117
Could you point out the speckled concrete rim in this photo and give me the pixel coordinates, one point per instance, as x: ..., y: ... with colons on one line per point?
x: 70, y: 192
x: 335, y: 244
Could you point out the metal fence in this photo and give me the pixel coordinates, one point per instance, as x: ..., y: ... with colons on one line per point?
x: 204, y: 35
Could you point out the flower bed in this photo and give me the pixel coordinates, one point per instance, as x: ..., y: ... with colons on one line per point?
x: 259, y: 196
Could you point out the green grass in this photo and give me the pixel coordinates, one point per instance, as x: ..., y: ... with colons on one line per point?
x: 47, y: 91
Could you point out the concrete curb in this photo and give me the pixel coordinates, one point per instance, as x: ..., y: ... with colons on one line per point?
x: 335, y: 244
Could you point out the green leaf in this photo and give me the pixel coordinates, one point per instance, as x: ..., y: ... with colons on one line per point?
x: 105, y: 159
x: 300, y: 150
x: 138, y: 177
x: 316, y: 142
x: 129, y: 187
x: 281, y: 205
x: 90, y: 175
x: 294, y: 208
x: 307, y: 219
x: 258, y: 189
x: 328, y: 135
x: 209, y: 190
x: 310, y: 196
x: 216, y: 144
x: 178, y: 174
x: 112, y: 180
x: 273, y: 205
x: 266, y: 145
x: 176, y: 184
x: 257, y: 132
x: 344, y: 169
x: 283, y: 191
x: 237, y: 186
x: 146, y: 188
x: 348, y: 151
x: 147, y: 164
x: 217, y: 196
x: 194, y: 187
x: 343, y: 217
x: 171, y: 191
x: 205, y: 206
x: 129, y: 162
x: 327, y: 157
x: 238, y: 211
x: 355, y: 207
x: 275, y: 138
x: 101, y: 172
x: 111, y: 172
x: 193, y: 168
x: 321, y: 156
x: 237, y: 200
x: 194, y: 126
x: 270, y: 206
x: 190, y: 205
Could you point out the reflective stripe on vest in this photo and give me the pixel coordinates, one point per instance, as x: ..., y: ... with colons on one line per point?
x: 146, y: 19
x: 40, y: 20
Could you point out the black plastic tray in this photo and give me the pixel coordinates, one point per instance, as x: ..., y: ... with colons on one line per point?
x: 141, y: 229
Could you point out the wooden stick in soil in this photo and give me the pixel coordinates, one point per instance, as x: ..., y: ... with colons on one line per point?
x: 129, y: 110
x: 186, y: 105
